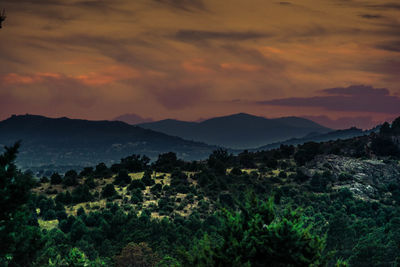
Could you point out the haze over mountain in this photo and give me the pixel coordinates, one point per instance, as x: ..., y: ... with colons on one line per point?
x: 322, y: 137
x: 64, y: 141
x: 238, y: 131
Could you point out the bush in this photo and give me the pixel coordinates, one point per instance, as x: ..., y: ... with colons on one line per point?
x: 137, y: 184
x: 81, y: 194
x: 55, y: 178
x: 108, y: 191
x: 70, y: 178
x: 147, y: 180
x: 122, y: 178
x: 49, y: 215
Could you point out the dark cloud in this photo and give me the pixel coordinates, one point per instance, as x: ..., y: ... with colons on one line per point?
x: 116, y: 48
x: 253, y: 56
x: 395, y: 6
x: 355, y: 98
x: 197, y: 35
x: 357, y: 90
x: 389, y: 67
x: 62, y: 10
x: 184, y: 5
x: 393, y: 46
x: 285, y: 3
x: 371, y: 16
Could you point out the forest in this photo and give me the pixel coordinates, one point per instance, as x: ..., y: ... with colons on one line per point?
x: 317, y: 204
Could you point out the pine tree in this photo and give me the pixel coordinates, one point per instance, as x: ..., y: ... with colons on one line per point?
x: 19, y: 233
x: 256, y: 236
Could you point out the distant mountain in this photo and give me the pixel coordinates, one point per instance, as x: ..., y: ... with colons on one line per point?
x: 132, y: 119
x: 316, y: 137
x: 238, y: 131
x: 63, y: 141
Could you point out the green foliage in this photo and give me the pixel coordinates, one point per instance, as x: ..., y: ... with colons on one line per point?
x: 137, y: 184
x: 169, y: 261
x: 137, y: 255
x: 81, y: 193
x: 70, y: 178
x: 135, y: 163
x: 307, y: 152
x: 384, y: 146
x: 19, y: 232
x: 122, y: 178
x: 108, y: 191
x: 75, y: 258
x: 167, y: 162
x: 256, y: 236
x: 55, y: 178
x: 219, y: 160
x: 147, y: 180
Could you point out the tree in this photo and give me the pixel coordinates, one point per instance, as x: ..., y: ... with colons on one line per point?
x: 167, y: 162
x: 70, y: 178
x: 20, y: 237
x: 109, y: 191
x: 138, y: 255
x: 256, y: 236
x: 385, y: 129
x: 219, y: 161
x: 396, y: 126
x: 147, y: 180
x: 122, y: 178
x: 55, y: 178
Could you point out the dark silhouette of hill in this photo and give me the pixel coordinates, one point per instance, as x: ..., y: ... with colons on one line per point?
x: 132, y: 119
x: 64, y: 141
x: 238, y: 131
x: 325, y: 137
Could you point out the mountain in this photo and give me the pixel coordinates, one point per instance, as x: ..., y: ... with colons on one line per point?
x: 132, y: 119
x: 317, y: 137
x: 238, y: 131
x: 71, y: 142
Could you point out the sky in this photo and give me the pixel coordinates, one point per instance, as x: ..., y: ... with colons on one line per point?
x: 334, y: 61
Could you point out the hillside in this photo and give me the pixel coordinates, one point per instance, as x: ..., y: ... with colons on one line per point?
x: 339, y: 198
x: 71, y: 142
x: 321, y: 137
x: 238, y: 131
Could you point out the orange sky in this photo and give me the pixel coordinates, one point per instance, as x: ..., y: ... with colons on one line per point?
x: 191, y: 59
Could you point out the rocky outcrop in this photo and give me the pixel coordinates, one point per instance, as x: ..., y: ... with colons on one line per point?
x: 366, y: 178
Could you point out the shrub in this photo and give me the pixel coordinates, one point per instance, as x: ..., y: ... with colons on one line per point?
x: 108, y: 191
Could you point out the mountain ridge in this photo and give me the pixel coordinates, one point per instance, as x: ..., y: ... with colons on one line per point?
x: 238, y: 131
x: 63, y: 141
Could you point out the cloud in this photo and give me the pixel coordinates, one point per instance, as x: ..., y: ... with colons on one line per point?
x: 395, y: 6
x: 185, y: 5
x: 199, y: 35
x: 355, y: 98
x: 357, y: 90
x: 370, y: 16
x: 285, y: 3
x: 243, y: 67
x: 44, y: 92
x: 393, y: 46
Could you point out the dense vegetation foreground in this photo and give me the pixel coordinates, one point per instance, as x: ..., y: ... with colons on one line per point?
x: 318, y: 204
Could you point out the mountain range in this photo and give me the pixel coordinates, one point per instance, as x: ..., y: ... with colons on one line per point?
x: 63, y: 143
x: 72, y: 142
x: 238, y: 131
